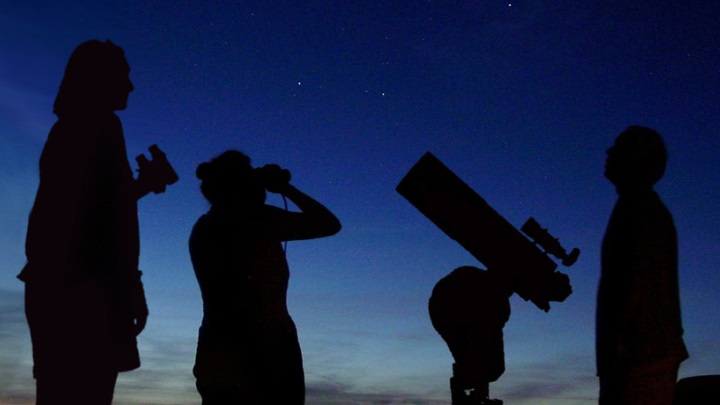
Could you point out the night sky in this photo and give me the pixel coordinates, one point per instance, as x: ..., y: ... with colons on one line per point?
x: 519, y: 98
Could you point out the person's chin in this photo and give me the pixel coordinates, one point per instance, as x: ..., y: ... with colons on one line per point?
x: 608, y: 174
x: 120, y: 106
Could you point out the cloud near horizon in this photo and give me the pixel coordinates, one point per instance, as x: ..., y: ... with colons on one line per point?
x: 168, y: 348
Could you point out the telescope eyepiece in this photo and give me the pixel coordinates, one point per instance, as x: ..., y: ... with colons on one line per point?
x: 549, y: 243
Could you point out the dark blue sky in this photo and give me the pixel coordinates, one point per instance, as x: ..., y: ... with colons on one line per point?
x: 519, y: 98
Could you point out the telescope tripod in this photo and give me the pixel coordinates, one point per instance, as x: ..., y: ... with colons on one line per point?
x: 463, y: 393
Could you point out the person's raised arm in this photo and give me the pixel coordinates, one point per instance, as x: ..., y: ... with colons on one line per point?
x: 314, y: 220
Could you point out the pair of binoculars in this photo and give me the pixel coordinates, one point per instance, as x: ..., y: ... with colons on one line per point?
x: 158, y: 173
x: 271, y: 176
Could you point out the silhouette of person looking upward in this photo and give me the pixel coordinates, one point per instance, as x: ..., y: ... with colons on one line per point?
x: 469, y: 308
x: 639, y: 328
x: 248, y: 350
x: 84, y: 299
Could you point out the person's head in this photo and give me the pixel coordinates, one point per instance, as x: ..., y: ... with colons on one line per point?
x: 637, y: 159
x: 96, y: 80
x: 228, y: 181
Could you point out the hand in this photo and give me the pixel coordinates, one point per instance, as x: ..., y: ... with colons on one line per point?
x: 281, y: 188
x: 140, y: 322
x: 150, y: 178
x: 275, y: 178
x: 139, y: 305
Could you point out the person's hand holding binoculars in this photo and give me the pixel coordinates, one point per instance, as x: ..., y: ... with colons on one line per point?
x: 274, y: 178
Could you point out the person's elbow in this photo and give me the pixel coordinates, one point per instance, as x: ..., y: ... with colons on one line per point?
x: 333, y: 226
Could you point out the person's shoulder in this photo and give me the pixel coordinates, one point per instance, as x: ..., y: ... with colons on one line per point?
x: 200, y: 231
x: 202, y: 223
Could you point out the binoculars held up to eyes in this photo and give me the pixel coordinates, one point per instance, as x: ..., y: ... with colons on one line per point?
x: 272, y: 176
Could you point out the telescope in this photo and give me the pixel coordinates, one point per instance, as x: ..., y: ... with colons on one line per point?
x: 467, y: 218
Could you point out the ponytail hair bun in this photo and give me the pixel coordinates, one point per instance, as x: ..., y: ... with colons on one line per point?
x: 203, y: 171
x: 223, y: 174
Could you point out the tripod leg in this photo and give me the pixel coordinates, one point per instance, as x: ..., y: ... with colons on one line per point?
x: 457, y: 393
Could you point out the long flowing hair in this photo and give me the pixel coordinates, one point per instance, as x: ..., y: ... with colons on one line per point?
x: 90, y: 71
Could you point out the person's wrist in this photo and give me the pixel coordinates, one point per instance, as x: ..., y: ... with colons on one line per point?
x: 286, y: 188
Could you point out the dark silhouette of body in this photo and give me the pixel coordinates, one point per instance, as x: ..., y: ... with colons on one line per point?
x: 469, y: 308
x: 84, y: 300
x: 248, y: 350
x: 639, y: 327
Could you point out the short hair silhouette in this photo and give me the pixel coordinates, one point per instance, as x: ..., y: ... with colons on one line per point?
x: 639, y: 334
x: 638, y: 157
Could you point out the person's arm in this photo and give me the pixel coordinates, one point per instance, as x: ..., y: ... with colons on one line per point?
x: 314, y: 220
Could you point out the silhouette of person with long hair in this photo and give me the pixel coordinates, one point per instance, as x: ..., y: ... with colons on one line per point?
x: 84, y: 299
x: 469, y: 308
x: 639, y: 328
x: 248, y: 350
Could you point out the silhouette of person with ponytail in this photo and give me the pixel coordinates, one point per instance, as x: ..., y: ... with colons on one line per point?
x: 248, y: 350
